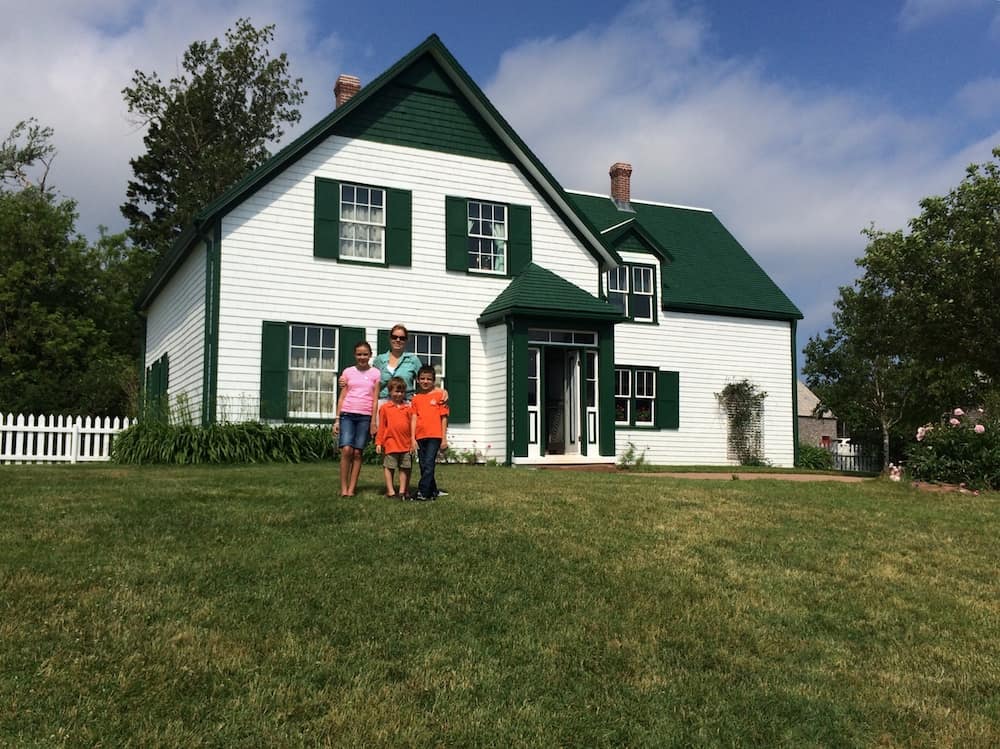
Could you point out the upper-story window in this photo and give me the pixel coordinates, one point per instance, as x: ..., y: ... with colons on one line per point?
x: 362, y: 223
x: 487, y: 237
x: 631, y: 289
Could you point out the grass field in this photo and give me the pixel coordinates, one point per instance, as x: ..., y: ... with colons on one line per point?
x: 252, y: 607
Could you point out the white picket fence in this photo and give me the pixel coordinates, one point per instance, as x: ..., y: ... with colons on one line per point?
x: 57, y: 439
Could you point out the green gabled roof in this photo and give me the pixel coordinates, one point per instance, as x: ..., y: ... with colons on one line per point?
x: 710, y: 272
x: 630, y: 236
x: 426, y: 100
x: 538, y: 291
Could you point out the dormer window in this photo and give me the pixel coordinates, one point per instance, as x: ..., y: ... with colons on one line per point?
x: 631, y: 289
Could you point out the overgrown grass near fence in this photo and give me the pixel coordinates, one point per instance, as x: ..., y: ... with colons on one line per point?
x: 248, y: 606
x: 244, y: 442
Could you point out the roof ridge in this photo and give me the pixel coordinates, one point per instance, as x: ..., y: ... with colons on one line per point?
x: 644, y: 202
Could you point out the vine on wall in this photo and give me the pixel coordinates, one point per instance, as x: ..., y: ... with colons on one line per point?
x: 744, y: 407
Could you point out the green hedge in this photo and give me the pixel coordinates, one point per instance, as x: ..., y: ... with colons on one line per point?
x: 245, y: 442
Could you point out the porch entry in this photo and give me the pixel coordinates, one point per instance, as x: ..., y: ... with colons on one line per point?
x: 562, y: 393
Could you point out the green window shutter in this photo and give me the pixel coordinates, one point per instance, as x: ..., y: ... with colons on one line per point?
x: 457, y: 379
x: 274, y: 370
x: 345, y: 351
x: 381, y: 341
x: 518, y: 238
x: 326, y: 219
x: 164, y: 376
x: 457, y: 229
x: 398, y: 229
x: 668, y: 400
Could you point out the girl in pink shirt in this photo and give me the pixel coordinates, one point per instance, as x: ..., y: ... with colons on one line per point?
x: 355, y: 421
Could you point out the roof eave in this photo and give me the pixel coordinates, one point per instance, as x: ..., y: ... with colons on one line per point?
x: 714, y: 309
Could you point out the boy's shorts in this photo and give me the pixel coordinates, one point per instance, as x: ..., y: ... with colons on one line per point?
x: 393, y: 461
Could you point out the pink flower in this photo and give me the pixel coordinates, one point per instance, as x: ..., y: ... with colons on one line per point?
x: 958, y: 412
x: 954, y: 422
x: 979, y: 429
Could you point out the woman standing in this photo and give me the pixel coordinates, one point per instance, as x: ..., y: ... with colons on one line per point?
x: 398, y: 362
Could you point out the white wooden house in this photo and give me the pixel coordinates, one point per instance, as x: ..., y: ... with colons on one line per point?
x: 565, y: 325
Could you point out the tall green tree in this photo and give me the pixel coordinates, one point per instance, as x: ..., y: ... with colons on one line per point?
x: 919, y: 332
x: 942, y: 275
x: 856, y: 369
x: 206, y: 129
x: 68, y: 340
x: 54, y: 356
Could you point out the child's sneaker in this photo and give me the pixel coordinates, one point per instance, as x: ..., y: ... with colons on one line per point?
x: 440, y: 494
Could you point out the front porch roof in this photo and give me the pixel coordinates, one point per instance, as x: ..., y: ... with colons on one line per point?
x: 539, y: 292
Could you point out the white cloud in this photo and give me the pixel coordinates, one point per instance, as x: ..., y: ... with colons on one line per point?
x: 794, y: 173
x: 980, y: 98
x: 915, y: 13
x: 65, y: 62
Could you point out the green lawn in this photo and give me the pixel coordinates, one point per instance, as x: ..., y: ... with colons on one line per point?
x: 251, y: 606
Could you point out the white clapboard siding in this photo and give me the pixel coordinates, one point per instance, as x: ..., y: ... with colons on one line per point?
x: 57, y: 439
x: 710, y: 352
x: 175, y: 326
x: 269, y: 272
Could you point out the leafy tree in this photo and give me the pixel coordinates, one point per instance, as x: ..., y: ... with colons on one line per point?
x: 940, y: 275
x: 206, y: 128
x: 68, y: 333
x: 919, y: 332
x: 26, y: 145
x: 53, y: 355
x: 855, y: 369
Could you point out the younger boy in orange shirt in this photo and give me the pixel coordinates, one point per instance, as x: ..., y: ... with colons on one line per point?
x: 395, y: 438
x: 430, y: 430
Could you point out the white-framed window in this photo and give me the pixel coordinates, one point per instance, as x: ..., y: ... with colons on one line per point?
x: 487, y: 224
x: 623, y: 396
x: 635, y: 396
x: 312, y: 371
x: 591, y: 383
x: 645, y: 397
x: 430, y: 347
x: 642, y: 293
x: 568, y: 337
x: 362, y: 223
x: 617, y: 288
x: 631, y: 289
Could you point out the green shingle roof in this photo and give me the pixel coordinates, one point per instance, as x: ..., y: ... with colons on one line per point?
x: 710, y: 271
x: 538, y: 291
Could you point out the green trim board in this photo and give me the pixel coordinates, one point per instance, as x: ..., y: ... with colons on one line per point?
x: 472, y: 101
x: 792, y: 326
x: 211, y: 394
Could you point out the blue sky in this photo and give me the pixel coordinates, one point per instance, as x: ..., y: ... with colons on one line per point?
x: 798, y: 123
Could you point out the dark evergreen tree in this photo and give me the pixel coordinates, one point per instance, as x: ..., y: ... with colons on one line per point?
x: 206, y: 129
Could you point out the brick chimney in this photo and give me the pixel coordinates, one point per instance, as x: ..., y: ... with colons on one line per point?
x: 621, y: 176
x: 346, y: 87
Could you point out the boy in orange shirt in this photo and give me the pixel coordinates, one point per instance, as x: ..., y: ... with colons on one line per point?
x: 395, y: 438
x: 430, y: 430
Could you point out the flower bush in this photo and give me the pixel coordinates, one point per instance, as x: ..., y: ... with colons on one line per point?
x: 963, y: 449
